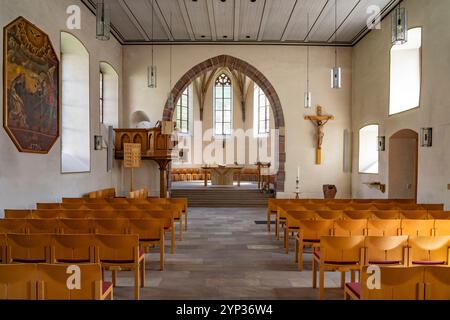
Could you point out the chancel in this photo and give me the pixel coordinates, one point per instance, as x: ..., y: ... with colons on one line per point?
x: 196, y: 150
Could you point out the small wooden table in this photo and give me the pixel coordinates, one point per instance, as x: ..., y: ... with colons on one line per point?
x: 222, y: 175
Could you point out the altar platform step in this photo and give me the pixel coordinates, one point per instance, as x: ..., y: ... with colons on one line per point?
x: 223, y: 197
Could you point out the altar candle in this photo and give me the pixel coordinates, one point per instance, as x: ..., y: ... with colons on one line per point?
x: 298, y: 173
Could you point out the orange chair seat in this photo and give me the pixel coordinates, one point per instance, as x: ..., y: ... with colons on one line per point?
x: 30, y: 260
x: 428, y: 263
x: 355, y: 288
x: 385, y: 262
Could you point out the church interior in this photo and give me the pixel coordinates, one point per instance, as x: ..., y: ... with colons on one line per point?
x: 225, y: 150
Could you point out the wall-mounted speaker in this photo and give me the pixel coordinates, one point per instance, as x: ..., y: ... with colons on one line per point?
x: 110, y: 150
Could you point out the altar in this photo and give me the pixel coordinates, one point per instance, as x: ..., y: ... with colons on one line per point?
x: 222, y: 175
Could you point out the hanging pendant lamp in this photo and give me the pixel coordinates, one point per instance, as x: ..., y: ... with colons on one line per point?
x: 399, y: 26
x: 336, y: 72
x: 308, y: 95
x: 103, y: 19
x: 151, y: 71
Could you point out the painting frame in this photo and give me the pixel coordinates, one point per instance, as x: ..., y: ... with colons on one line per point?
x: 36, y: 138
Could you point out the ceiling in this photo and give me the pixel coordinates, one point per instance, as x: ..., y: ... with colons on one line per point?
x: 241, y: 21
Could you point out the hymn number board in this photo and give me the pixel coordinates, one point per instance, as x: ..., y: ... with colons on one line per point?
x: 131, y: 155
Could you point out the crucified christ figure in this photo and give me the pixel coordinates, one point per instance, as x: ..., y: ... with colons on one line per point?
x: 320, y: 121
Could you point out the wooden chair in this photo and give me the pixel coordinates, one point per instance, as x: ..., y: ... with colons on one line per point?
x: 129, y: 214
x: 428, y: 251
x: 432, y: 206
x: 341, y: 254
x: 18, y: 282
x: 166, y: 218
x: 83, y: 200
x: 386, y: 206
x: 73, y: 248
x: 309, y: 234
x: 442, y: 227
x: 348, y: 228
x: 43, y: 226
x: 117, y: 201
x: 272, y: 208
x: 48, y: 206
x: 52, y: 284
x: 98, y: 206
x: 292, y: 223
x: 385, y: 228
x: 184, y: 204
x: 175, y: 209
x: 76, y: 226
x: 437, y: 283
x: 282, y: 216
x: 118, y: 252
x: 362, y: 206
x: 13, y: 225
x: 29, y: 248
x: 387, y: 214
x: 72, y: 206
x: 151, y: 234
x: 417, y: 227
x: 111, y: 226
x: 76, y: 214
x: 127, y: 207
x: 17, y: 214
x: 399, y: 283
x: 438, y: 214
x: 329, y: 214
x: 414, y: 214
x: 103, y: 214
x: 382, y: 250
x: 357, y: 214
x: 337, y: 206
x: 3, y: 248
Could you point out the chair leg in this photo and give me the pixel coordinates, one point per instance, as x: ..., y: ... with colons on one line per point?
x: 161, y: 254
x: 185, y: 221
x: 268, y: 220
x: 114, y: 277
x: 342, y: 279
x: 181, y: 228
x: 286, y: 238
x: 314, y: 273
x: 321, y: 282
x: 300, y: 256
x: 173, y: 240
x: 142, y: 273
x: 352, y: 275
x: 296, y: 250
x: 277, y: 228
x: 136, y: 282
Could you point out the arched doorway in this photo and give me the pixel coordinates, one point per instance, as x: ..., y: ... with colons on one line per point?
x: 232, y: 63
x: 403, y: 164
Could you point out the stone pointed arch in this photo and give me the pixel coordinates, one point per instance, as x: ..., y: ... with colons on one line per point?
x: 255, y: 75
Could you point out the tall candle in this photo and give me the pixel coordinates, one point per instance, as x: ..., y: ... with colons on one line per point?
x: 298, y: 173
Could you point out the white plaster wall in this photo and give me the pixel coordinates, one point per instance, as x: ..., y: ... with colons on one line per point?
x: 285, y: 68
x: 371, y: 59
x: 29, y: 178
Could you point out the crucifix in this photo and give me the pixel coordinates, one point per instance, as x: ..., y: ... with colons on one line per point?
x: 319, y: 121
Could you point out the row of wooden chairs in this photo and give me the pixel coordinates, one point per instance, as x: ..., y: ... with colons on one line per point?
x: 168, y: 216
x: 113, y: 252
x: 284, y: 215
x: 182, y: 202
x: 309, y: 232
x: 350, y: 254
x: 149, y: 231
x: 49, y: 282
x: 402, y: 283
x: 103, y: 193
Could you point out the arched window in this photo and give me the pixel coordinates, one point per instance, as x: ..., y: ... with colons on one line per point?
x: 406, y: 73
x: 261, y: 107
x: 75, y: 149
x: 368, y: 149
x: 223, y: 110
x: 109, y: 95
x: 184, y: 111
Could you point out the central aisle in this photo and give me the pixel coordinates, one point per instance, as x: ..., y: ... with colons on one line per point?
x: 226, y: 255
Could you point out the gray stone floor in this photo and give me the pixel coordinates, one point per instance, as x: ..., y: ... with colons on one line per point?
x: 226, y: 255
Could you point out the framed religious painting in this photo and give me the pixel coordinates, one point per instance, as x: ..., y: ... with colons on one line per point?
x: 31, y: 87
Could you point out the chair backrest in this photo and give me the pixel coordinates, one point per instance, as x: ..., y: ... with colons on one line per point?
x: 122, y: 248
x: 362, y: 206
x: 46, y: 214
x: 98, y: 206
x: 18, y: 281
x: 417, y: 227
x: 46, y: 226
x: 442, y: 227
x: 437, y: 283
x: 428, y: 250
x: 387, y: 214
x: 13, y: 225
x: 385, y: 250
x: 129, y: 214
x: 314, y: 229
x: 439, y: 214
x: 409, y: 206
x: 432, y: 206
x: 357, y: 214
x: 17, y: 214
x: 111, y: 226
x: 386, y: 227
x: 329, y: 214
x: 147, y: 229
x: 341, y: 250
x: 347, y: 228
x: 399, y: 283
x: 165, y: 216
x: 73, y: 206
x: 117, y: 200
x: 76, y: 226
x: 47, y: 206
x: 29, y: 248
x: 124, y: 206
x: 386, y: 206
x: 415, y: 214
x: 52, y: 284
x: 73, y: 248
x: 337, y: 206
x: 3, y: 248
x: 76, y: 214
x: 103, y: 214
